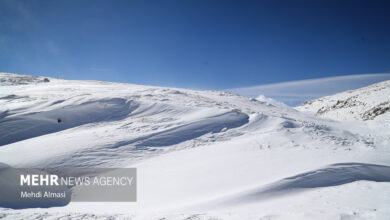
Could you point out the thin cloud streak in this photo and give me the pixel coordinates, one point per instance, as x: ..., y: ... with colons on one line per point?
x: 297, y: 92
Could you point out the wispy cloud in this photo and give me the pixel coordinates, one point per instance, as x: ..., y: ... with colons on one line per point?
x: 297, y: 92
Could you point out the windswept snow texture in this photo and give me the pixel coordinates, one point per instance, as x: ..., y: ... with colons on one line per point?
x: 24, y: 126
x: 333, y: 175
x: 112, y: 122
x: 190, y: 131
x: 202, y: 154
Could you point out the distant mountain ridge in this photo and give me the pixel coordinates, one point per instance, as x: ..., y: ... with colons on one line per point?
x: 363, y: 104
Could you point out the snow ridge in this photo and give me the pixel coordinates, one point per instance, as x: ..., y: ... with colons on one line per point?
x: 367, y: 103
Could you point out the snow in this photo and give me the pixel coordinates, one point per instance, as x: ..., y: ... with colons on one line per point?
x: 370, y: 104
x: 198, y: 154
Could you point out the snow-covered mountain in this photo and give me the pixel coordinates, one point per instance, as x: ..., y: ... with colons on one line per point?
x: 198, y: 154
x: 370, y: 104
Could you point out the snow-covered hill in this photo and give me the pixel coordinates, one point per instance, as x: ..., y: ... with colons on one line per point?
x: 198, y: 154
x: 367, y: 103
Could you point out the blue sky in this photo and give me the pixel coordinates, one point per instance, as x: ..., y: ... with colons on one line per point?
x: 195, y: 44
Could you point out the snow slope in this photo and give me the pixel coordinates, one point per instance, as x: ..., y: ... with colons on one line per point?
x: 370, y: 104
x: 198, y: 154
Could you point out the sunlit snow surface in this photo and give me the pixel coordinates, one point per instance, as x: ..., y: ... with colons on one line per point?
x: 199, y: 154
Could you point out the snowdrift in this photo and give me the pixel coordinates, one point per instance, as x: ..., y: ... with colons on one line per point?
x: 24, y: 126
x: 198, y: 154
